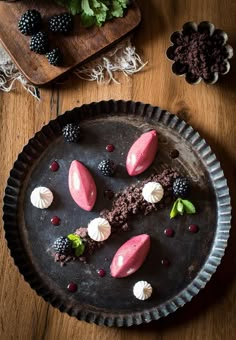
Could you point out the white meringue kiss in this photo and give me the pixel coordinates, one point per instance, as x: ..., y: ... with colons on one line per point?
x: 41, y: 197
x: 142, y: 290
x: 152, y: 192
x: 99, y: 229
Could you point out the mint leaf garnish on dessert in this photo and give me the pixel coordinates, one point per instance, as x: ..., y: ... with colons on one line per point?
x: 77, y: 244
x: 181, y: 207
x: 174, y: 211
x: 181, y: 187
x: 189, y: 207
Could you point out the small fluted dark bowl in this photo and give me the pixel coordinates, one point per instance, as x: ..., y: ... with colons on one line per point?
x: 181, y: 69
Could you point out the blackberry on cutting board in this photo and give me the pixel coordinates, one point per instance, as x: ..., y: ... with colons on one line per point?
x: 62, y: 246
x: 71, y: 133
x: 181, y: 187
x: 30, y: 22
x: 62, y: 23
x: 107, y: 167
x: 39, y: 43
x: 54, y: 57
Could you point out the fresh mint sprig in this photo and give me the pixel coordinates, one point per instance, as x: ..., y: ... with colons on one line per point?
x: 77, y: 244
x: 181, y: 207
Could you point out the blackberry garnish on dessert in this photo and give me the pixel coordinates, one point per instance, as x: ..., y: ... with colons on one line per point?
x: 30, y: 22
x: 68, y: 248
x: 39, y: 43
x: 181, y: 187
x: 71, y: 133
x: 62, y: 23
x: 107, y: 167
x: 63, y: 246
x: 54, y: 57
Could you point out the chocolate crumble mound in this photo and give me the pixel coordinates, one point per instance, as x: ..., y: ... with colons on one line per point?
x: 131, y: 202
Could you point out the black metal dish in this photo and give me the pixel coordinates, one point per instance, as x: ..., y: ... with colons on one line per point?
x: 109, y: 301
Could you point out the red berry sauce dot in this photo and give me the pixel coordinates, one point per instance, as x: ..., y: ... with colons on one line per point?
x: 101, y: 272
x: 174, y: 154
x: 54, y: 166
x: 165, y: 262
x: 72, y: 287
x: 110, y: 148
x: 169, y: 232
x: 55, y: 220
x: 193, y: 228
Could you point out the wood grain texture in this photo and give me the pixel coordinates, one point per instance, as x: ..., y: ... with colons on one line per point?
x: 82, y: 44
x: 209, y: 109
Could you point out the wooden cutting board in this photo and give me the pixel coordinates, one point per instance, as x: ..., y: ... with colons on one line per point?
x: 82, y: 44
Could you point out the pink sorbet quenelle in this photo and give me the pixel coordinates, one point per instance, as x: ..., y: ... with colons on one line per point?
x: 130, y: 256
x: 82, y: 186
x: 142, y: 153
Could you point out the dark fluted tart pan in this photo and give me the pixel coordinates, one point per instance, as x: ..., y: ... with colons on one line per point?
x: 108, y: 301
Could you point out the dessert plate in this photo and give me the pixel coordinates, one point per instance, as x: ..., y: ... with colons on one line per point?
x: 105, y: 300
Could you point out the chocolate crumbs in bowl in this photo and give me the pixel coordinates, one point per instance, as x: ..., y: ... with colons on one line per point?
x: 200, y: 52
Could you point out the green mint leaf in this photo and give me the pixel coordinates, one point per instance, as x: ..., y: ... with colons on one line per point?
x: 180, y: 207
x: 80, y: 250
x: 189, y: 207
x: 77, y: 244
x: 174, y: 211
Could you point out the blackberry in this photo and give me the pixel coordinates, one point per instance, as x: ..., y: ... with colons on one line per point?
x: 62, y: 23
x: 71, y: 133
x: 54, y: 57
x: 107, y: 167
x: 62, y: 246
x: 30, y: 22
x: 39, y: 43
x: 181, y: 187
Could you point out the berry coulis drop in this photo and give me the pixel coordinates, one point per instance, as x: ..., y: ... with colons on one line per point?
x: 193, y: 228
x: 54, y: 166
x: 55, y: 220
x: 101, y: 272
x: 72, y: 287
x: 165, y: 262
x: 110, y: 148
x: 169, y: 232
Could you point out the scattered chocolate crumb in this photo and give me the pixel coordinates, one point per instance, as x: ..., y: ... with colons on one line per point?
x: 125, y: 227
x: 82, y: 232
x: 63, y: 259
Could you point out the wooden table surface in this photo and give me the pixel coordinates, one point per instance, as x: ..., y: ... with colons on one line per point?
x: 209, y: 109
